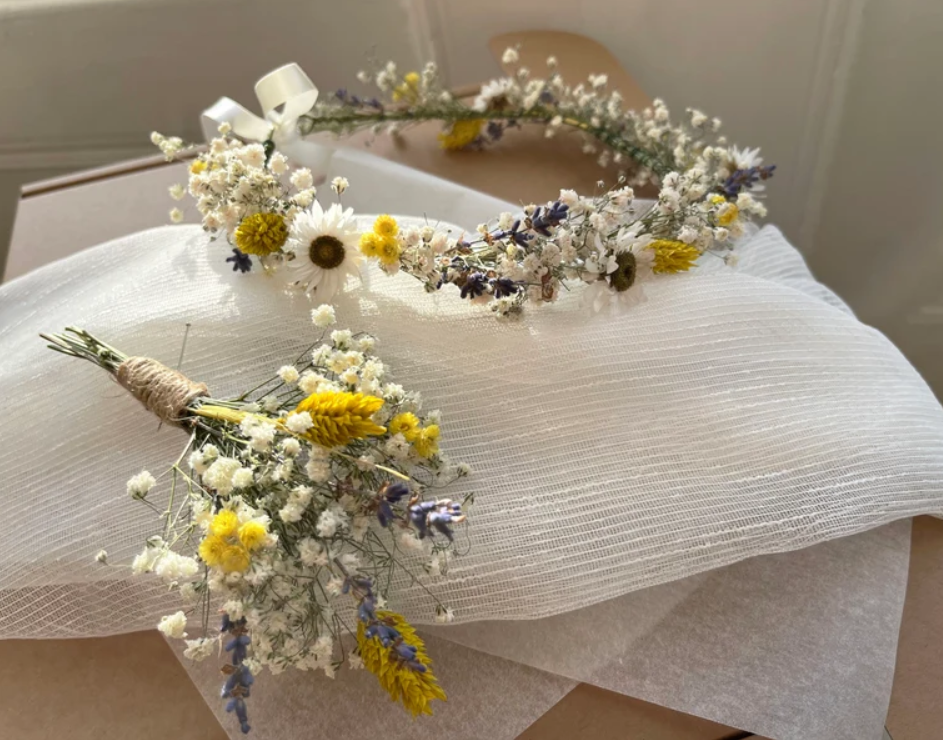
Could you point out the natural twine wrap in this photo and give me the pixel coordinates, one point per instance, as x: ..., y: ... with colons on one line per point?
x: 164, y: 392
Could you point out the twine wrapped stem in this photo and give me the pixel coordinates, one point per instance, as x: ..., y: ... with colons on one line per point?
x: 164, y: 392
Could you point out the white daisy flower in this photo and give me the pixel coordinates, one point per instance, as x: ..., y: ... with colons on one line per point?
x: 494, y: 94
x: 324, y: 248
x: 744, y: 159
x: 626, y: 272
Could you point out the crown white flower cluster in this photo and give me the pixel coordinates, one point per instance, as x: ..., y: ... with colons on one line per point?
x: 265, y: 207
x: 611, y: 241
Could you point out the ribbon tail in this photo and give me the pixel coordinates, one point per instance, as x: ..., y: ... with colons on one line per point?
x: 245, y: 124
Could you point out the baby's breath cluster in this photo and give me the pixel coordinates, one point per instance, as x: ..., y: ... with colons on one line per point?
x: 268, y: 209
x: 293, y: 511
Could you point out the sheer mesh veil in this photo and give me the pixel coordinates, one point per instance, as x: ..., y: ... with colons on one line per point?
x: 734, y: 413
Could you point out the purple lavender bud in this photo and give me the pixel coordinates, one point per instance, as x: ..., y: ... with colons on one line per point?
x: 504, y: 287
x: 396, y: 491
x: 474, y: 285
x: 240, y: 261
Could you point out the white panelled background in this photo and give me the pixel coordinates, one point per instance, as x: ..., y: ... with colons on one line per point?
x: 842, y: 94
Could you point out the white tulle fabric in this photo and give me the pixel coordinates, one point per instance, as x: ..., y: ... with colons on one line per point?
x: 735, y: 412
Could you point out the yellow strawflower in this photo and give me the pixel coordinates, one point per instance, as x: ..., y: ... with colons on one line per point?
x: 426, y: 442
x: 389, y: 250
x: 224, y: 523
x: 252, y: 535
x: 261, y: 234
x: 727, y: 212
x: 406, y: 424
x: 370, y: 243
x: 673, y: 256
x: 385, y: 226
x: 730, y: 214
x: 416, y: 690
x: 235, y: 559
x: 461, y: 133
x: 408, y: 90
x: 340, y: 416
x: 212, y: 549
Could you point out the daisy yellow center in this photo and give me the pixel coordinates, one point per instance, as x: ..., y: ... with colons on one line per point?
x: 624, y: 276
x: 327, y: 252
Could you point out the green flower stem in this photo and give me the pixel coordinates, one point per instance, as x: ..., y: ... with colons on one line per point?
x: 344, y: 120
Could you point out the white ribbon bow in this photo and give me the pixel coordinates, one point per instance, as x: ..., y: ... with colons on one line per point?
x: 285, y: 94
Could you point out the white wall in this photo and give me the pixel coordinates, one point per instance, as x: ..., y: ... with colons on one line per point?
x: 83, y: 82
x: 880, y: 240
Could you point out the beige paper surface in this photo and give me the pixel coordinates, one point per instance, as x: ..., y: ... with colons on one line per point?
x: 790, y: 646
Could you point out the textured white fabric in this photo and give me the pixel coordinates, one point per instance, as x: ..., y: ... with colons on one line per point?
x: 736, y: 412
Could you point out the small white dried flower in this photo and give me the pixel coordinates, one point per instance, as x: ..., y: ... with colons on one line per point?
x: 302, y: 179
x: 339, y: 185
x: 174, y: 625
x: 140, y: 484
x: 299, y: 422
x: 323, y: 316
x: 289, y: 374
x: 444, y: 615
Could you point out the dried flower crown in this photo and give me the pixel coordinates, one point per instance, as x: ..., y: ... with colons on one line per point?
x: 610, y: 241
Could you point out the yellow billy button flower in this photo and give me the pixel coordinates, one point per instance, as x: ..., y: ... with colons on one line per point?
x: 229, y: 543
x: 389, y: 251
x: 673, y: 256
x: 406, y: 424
x: 235, y: 559
x: 461, y: 133
x: 385, y: 226
x: 224, y: 524
x: 261, y: 234
x: 212, y: 549
x: 252, y: 535
x: 370, y: 243
x: 339, y: 417
x: 426, y: 442
x: 415, y: 689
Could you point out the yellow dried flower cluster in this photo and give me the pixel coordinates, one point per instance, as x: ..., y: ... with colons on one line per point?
x: 228, y: 544
x: 461, y: 133
x: 408, y: 90
x: 381, y: 242
x: 673, y: 256
x: 425, y: 440
x: 415, y: 689
x: 339, y: 417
